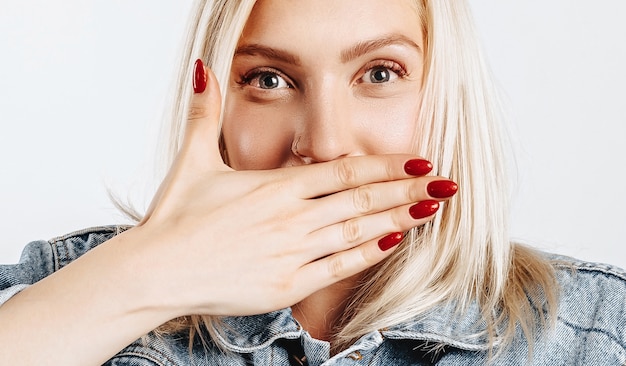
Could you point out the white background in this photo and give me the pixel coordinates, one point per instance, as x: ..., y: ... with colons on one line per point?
x: 83, y: 85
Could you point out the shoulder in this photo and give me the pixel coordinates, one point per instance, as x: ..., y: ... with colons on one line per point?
x: 592, y: 304
x: 90, y: 236
x: 51, y: 255
x: 562, y: 262
x: 589, y: 282
x: 69, y: 247
x: 41, y: 258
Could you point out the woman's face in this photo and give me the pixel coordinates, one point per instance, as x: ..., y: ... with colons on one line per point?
x: 315, y: 80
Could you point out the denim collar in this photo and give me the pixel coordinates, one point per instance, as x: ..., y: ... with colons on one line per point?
x: 245, y: 334
x: 442, y: 326
x: 446, y: 326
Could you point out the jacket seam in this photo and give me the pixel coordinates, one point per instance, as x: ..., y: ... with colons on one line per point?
x: 592, y: 269
x: 58, y: 241
x: 144, y: 356
x: 115, y: 229
x: 611, y: 336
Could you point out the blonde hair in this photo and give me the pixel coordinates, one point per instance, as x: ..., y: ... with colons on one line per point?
x: 464, y: 256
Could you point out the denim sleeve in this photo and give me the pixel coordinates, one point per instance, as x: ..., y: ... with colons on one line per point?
x: 41, y: 258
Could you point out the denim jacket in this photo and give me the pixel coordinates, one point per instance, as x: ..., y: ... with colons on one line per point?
x: 590, y: 328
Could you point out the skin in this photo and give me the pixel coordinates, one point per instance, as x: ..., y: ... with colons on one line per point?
x: 323, y: 96
x: 255, y: 236
x: 350, y: 93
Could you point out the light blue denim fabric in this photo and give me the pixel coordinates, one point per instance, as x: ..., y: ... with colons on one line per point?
x: 590, y: 328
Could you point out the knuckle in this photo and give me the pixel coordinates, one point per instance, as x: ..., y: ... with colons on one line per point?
x: 363, y: 199
x: 368, y: 257
x: 351, y: 231
x: 284, y: 285
x: 397, y: 219
x: 346, y: 174
x: 390, y: 169
x: 197, y: 112
x: 336, y: 267
x: 414, y: 191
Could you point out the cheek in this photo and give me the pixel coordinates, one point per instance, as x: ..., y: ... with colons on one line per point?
x: 389, y: 126
x: 255, y: 138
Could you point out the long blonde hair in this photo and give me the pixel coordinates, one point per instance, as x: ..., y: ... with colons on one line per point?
x: 464, y: 256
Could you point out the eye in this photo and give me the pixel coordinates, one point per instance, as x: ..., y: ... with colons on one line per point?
x: 383, y: 73
x: 379, y: 75
x: 266, y: 80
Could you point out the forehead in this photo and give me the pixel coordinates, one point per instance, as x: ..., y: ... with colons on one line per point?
x: 330, y: 22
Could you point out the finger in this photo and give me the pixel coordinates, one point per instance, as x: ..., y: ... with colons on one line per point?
x: 202, y: 129
x: 377, y: 197
x: 338, y: 175
x: 326, y: 271
x: 351, y: 233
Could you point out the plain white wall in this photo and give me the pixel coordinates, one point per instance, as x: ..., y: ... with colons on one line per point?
x: 562, y: 64
x: 82, y: 89
x: 82, y: 86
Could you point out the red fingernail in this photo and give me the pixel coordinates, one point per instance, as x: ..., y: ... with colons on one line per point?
x: 442, y: 188
x: 423, y: 209
x: 390, y: 241
x: 418, y: 167
x: 199, y: 77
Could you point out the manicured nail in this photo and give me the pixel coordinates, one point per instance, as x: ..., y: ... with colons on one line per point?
x: 423, y: 209
x: 442, y: 188
x: 199, y: 77
x: 390, y: 241
x: 418, y: 167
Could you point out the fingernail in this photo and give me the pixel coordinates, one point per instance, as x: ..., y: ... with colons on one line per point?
x: 390, y: 241
x: 418, y: 167
x: 442, y: 188
x: 199, y: 77
x: 423, y: 209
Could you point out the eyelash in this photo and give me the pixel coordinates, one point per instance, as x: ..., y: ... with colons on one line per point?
x: 393, y: 66
x: 246, y: 78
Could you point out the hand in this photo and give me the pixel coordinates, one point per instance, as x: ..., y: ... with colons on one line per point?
x: 219, y: 242
x: 225, y: 242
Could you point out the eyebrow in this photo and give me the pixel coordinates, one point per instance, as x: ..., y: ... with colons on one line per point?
x: 268, y: 52
x: 365, y: 47
x: 347, y: 55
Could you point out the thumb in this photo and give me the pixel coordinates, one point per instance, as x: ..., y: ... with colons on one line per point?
x: 202, y: 129
x: 200, y: 142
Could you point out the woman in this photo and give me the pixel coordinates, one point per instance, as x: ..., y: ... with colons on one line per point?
x: 319, y: 242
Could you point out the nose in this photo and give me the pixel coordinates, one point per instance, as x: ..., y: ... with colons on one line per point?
x: 326, y: 130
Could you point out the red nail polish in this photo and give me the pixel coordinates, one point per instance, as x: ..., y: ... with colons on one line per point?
x: 390, y: 241
x: 442, y: 188
x: 423, y: 209
x: 199, y: 77
x: 418, y: 167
